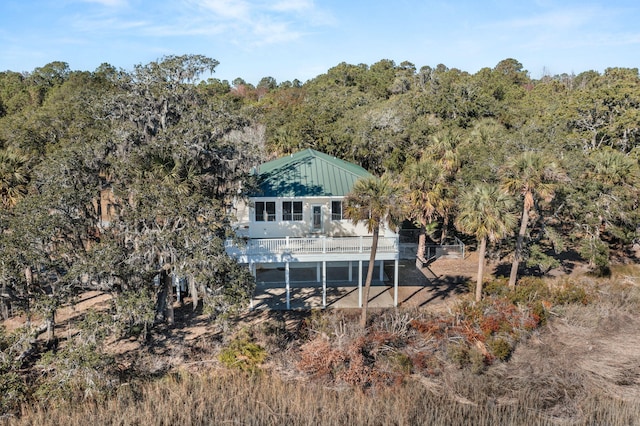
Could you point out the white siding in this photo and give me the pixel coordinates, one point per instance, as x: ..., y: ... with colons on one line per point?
x: 246, y: 225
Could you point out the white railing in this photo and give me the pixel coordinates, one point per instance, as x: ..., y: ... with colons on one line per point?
x: 455, y: 251
x: 316, y: 245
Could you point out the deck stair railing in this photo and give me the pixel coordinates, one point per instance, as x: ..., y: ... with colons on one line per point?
x: 454, y: 250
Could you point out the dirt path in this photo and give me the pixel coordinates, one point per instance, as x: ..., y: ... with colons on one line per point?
x: 437, y: 285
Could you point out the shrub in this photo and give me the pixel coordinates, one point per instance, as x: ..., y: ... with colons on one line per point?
x: 540, y: 315
x: 496, y: 287
x: 500, y: 348
x: 80, y: 370
x: 571, y: 293
x: 243, y: 354
x: 529, y: 289
x: 397, y: 362
x: 13, y: 391
x: 458, y: 353
x: 478, y: 361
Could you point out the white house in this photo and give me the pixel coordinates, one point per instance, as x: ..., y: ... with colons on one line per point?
x: 295, y: 219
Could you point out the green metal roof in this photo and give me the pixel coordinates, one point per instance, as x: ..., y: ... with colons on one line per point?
x: 308, y: 173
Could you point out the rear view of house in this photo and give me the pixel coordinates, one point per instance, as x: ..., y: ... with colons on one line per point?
x: 294, y: 219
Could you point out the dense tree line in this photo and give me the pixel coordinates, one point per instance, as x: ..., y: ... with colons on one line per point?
x: 170, y: 147
x: 564, y: 148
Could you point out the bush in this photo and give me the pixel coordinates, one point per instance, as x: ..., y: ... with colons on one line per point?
x: 13, y: 391
x: 243, y: 353
x: 571, y: 293
x: 472, y: 357
x: 500, y: 348
x: 458, y: 353
x: 496, y: 287
x: 530, y: 289
x: 80, y: 370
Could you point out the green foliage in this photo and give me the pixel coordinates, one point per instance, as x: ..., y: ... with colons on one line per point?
x: 458, y: 353
x: 243, y: 353
x: 134, y: 313
x: 537, y: 257
x: 530, y: 289
x: 597, y: 252
x: 13, y: 389
x: 571, y: 293
x: 80, y: 370
x: 500, y: 348
x: 229, y: 290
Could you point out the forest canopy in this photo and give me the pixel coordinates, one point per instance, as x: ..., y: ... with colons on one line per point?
x: 171, y: 148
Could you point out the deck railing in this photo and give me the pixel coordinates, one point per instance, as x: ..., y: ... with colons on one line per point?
x: 313, y: 245
x: 455, y: 251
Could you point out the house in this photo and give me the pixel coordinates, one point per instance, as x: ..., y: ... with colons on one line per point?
x: 295, y: 219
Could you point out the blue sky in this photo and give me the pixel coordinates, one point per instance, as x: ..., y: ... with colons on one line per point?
x: 289, y: 39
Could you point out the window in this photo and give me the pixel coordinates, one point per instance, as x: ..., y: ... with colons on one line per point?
x: 292, y: 210
x: 336, y: 210
x: 265, y: 211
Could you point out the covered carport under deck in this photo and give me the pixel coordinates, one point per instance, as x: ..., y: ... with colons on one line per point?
x: 342, y: 286
x: 303, y: 273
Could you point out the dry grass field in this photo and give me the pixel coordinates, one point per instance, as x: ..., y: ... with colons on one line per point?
x: 412, y: 366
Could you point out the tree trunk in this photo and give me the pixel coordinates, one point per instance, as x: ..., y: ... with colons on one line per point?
x: 50, y: 322
x: 169, y: 303
x: 422, y: 241
x: 481, y: 255
x: 518, y: 253
x: 367, y: 282
x: 193, y: 291
x: 164, y: 304
x: 445, y: 227
x: 28, y: 276
x: 4, y: 302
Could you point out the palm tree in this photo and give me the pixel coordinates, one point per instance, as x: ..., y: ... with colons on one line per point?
x: 486, y: 212
x: 532, y: 176
x: 430, y: 184
x: 425, y: 181
x: 444, y: 150
x: 373, y: 201
x: 14, y: 177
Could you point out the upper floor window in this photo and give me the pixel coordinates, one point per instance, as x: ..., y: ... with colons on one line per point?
x: 336, y: 210
x: 292, y: 210
x: 265, y: 211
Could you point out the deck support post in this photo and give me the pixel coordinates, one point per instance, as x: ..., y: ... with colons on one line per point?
x: 360, y: 283
x: 318, y: 279
x: 324, y: 284
x: 395, y: 283
x: 288, y: 287
x: 381, y: 272
x: 252, y: 271
x: 350, y: 271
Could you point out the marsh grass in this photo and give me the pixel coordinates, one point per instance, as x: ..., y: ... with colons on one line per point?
x: 233, y: 398
x: 580, y: 369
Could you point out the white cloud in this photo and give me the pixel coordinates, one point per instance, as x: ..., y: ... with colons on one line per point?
x: 558, y: 19
x: 268, y: 32
x: 292, y: 5
x: 255, y: 22
x: 108, y: 3
x: 229, y: 9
